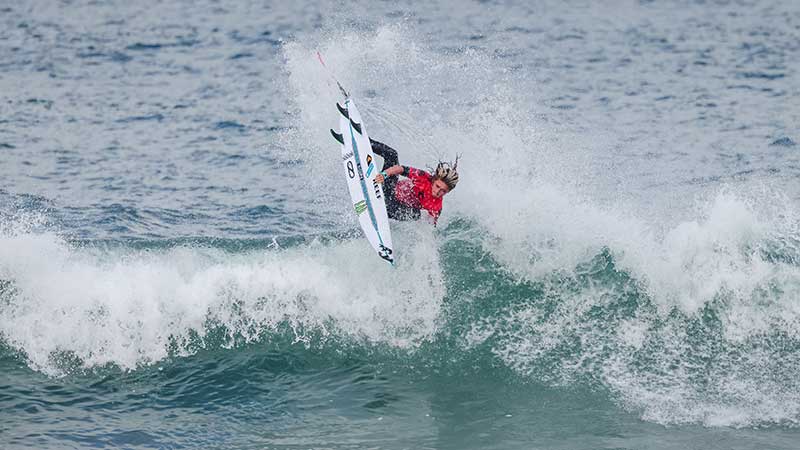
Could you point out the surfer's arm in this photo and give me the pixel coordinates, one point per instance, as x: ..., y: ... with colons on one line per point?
x: 392, y: 171
x: 382, y: 149
x: 390, y: 160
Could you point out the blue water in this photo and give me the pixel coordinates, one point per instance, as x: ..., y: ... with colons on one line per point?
x: 619, y: 267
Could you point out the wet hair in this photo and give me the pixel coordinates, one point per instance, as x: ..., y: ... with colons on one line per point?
x: 448, y: 173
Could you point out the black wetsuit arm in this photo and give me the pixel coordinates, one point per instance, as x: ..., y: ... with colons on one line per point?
x: 380, y: 148
x: 388, y: 154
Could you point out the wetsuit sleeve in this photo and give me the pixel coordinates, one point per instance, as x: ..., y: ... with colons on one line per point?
x: 388, y: 154
x: 380, y: 147
x: 406, y: 171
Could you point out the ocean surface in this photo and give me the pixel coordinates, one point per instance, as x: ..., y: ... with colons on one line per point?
x: 619, y: 267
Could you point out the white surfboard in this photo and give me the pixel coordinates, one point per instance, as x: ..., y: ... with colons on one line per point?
x: 360, y: 169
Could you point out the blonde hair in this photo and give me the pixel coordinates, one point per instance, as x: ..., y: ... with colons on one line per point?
x: 447, y: 173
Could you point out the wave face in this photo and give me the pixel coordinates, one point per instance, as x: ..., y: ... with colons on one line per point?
x: 619, y: 266
x: 700, y: 327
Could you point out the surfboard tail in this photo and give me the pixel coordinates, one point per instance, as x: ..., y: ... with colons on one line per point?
x: 342, y: 110
x: 339, y: 138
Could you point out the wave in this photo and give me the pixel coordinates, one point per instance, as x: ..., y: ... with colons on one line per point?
x: 679, y: 301
x: 701, y: 332
x: 126, y: 306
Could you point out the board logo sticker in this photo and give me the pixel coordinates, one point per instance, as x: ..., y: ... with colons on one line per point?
x: 385, y: 253
x: 370, y: 166
x: 347, y: 156
x: 377, y: 188
x: 360, y: 206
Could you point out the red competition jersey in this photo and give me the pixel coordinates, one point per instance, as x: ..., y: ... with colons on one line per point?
x: 415, y: 192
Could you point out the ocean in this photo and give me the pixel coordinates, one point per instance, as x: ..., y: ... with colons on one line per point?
x: 618, y: 268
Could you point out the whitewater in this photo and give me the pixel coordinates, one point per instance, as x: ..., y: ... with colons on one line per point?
x: 619, y: 266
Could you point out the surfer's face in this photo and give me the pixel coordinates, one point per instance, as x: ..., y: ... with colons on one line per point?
x: 439, y: 188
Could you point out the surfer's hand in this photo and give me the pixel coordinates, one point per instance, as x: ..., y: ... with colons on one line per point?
x: 379, y: 178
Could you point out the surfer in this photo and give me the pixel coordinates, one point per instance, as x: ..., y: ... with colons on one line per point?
x: 419, y: 190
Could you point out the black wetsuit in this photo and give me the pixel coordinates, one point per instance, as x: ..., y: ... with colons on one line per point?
x: 394, y: 208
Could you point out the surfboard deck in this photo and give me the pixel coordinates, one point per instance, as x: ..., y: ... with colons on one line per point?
x: 360, y: 168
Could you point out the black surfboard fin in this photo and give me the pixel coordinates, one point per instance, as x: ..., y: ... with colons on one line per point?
x: 357, y: 126
x: 342, y: 110
x: 337, y: 136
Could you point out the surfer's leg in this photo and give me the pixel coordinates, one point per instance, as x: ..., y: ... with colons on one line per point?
x: 397, y: 211
x: 392, y: 204
x: 390, y: 159
x: 388, y: 154
x: 392, y: 208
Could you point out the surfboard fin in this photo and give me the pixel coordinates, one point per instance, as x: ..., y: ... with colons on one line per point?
x: 342, y: 110
x: 337, y: 136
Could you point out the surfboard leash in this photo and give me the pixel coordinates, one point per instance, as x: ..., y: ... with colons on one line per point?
x: 330, y: 73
